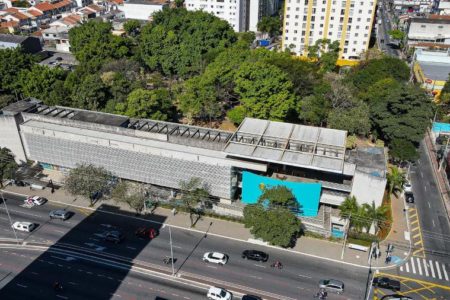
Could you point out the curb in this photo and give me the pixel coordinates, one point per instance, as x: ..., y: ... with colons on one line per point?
x: 223, y: 236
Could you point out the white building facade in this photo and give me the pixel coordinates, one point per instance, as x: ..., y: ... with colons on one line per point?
x: 260, y: 8
x: 347, y: 21
x: 422, y: 30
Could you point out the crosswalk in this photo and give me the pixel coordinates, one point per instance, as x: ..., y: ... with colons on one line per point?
x: 426, y: 267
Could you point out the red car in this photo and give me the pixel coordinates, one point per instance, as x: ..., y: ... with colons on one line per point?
x: 145, y: 232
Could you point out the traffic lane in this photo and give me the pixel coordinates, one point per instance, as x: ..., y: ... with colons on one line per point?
x: 434, y: 223
x: 89, y: 280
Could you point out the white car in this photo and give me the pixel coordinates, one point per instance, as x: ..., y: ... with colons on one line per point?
x: 215, y: 257
x: 215, y: 293
x: 407, y: 187
x: 36, y: 200
x: 24, y: 226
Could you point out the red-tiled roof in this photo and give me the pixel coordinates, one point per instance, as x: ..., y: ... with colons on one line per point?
x: 120, y: 2
x: 95, y: 7
x: 34, y: 12
x: 72, y: 19
x: 11, y: 10
x: 37, y: 33
x: 44, y: 6
x: 62, y: 3
x: 439, y: 17
x: 9, y: 24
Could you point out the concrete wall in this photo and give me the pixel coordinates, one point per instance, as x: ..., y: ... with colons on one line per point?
x: 10, y: 138
x: 367, y: 188
x: 139, y: 11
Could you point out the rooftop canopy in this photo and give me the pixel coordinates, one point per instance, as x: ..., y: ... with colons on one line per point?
x: 289, y: 144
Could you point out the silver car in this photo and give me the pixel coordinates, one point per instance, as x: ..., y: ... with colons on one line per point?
x: 332, y: 285
x: 61, y: 214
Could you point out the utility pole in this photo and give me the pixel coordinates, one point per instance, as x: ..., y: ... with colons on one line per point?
x: 369, y: 277
x: 9, y: 217
x: 345, y: 236
x: 171, y: 250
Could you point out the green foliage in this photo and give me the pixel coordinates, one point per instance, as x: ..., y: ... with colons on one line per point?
x: 193, y: 192
x: 265, y: 91
x: 246, y: 38
x: 355, y: 119
x: 351, y: 142
x: 179, y: 42
x: 278, y: 226
x: 86, y: 180
x: 279, y: 196
x: 131, y: 194
x: 237, y: 114
x: 6, y: 99
x: 326, y: 53
x: 93, y: 42
x: 363, y: 216
x: 44, y: 83
x: 21, y: 3
x: 402, y: 113
x: 91, y: 93
x: 154, y: 104
x: 403, y: 150
x: 375, y: 70
x: 397, y: 34
x: 13, y: 61
x: 8, y: 166
x: 395, y: 180
x: 270, y: 25
x: 179, y: 3
x: 132, y: 27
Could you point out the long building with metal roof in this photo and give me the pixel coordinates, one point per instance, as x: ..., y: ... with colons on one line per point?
x: 235, y: 166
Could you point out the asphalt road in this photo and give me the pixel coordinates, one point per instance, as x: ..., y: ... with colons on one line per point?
x: 433, y: 217
x: 383, y: 31
x: 297, y: 280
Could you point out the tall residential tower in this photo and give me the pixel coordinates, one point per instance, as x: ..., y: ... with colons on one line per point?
x: 347, y: 21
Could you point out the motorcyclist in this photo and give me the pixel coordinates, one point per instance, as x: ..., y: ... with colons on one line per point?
x: 57, y: 286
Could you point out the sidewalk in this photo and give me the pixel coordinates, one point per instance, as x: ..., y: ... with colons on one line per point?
x: 311, y: 247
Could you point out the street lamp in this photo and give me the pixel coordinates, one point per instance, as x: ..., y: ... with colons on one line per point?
x: 9, y: 217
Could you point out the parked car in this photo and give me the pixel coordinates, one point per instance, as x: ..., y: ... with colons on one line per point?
x: 251, y: 297
x: 396, y: 297
x: 61, y: 214
x: 146, y: 232
x: 407, y: 187
x: 215, y: 293
x: 113, y: 236
x: 36, y: 200
x: 409, y: 197
x: 332, y: 285
x: 24, y: 226
x: 215, y: 257
x: 386, y: 283
x: 255, y: 255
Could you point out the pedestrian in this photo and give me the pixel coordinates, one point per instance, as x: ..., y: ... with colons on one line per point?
x: 174, y: 211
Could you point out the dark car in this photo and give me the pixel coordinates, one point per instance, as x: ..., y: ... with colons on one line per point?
x: 386, y: 283
x: 409, y: 197
x: 255, y: 255
x: 251, y: 297
x: 146, y: 232
x: 61, y: 214
x: 113, y: 236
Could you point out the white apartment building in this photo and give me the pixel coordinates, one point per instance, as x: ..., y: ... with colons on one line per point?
x: 233, y: 11
x: 347, y: 21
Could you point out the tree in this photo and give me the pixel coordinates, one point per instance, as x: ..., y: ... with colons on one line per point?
x: 154, y: 104
x: 132, y: 27
x: 326, y: 53
x: 395, y: 180
x: 13, y: 61
x: 352, y: 211
x: 397, y: 34
x: 193, y: 193
x: 237, y: 114
x: 5, y: 100
x: 88, y: 181
x: 279, y: 226
x: 356, y: 120
x: 94, y: 42
x: 269, y: 25
x: 179, y: 42
x: 91, y: 93
x: 179, y: 3
x: 274, y: 217
x: 264, y: 91
x: 8, y: 166
x: 375, y: 216
x: 403, y: 150
x: 44, y: 83
x: 132, y: 194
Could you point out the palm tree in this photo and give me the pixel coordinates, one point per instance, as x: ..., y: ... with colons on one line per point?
x: 395, y: 180
x: 375, y: 215
x: 352, y: 211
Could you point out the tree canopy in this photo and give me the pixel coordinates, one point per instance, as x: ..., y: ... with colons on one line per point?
x: 8, y: 166
x: 153, y: 104
x: 13, y: 62
x: 270, y: 25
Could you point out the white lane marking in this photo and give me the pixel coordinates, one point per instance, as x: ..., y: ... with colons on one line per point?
x: 433, y: 223
x: 260, y: 266
x: 100, y: 275
x: 407, y: 267
x: 186, y: 297
x: 211, y: 267
x: 419, y: 265
x: 175, y: 295
x: 96, y: 240
x: 305, y: 276
x: 401, y: 268
x: 425, y: 188
x: 21, y: 285
x: 90, y: 273
x: 132, y: 248
x: 445, y: 272
x: 34, y: 273
x: 58, y: 231
x: 421, y: 174
x: 429, y: 205
x: 425, y: 267
x: 256, y: 277
x: 62, y: 297
x: 72, y: 283
x: 413, y: 266
x: 438, y: 270
x: 115, y: 295
x: 50, y: 263
x: 60, y: 265
x: 432, y: 269
x: 177, y: 247
x: 109, y: 277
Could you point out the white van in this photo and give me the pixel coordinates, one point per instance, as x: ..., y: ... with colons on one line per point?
x: 24, y: 226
